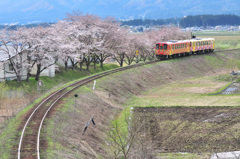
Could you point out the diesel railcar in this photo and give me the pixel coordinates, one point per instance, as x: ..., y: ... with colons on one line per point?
x: 175, y: 48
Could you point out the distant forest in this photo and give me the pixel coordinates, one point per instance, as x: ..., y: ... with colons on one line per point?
x: 150, y: 22
x: 209, y: 20
x: 189, y: 21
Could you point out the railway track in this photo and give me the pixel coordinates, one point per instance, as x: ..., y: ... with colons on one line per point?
x: 29, y: 144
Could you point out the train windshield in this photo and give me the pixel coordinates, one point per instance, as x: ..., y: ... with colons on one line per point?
x: 157, y: 46
x: 165, y: 46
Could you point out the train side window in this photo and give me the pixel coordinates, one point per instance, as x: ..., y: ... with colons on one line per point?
x: 165, y: 46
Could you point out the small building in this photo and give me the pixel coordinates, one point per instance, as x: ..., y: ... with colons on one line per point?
x: 6, y: 69
x: 7, y: 73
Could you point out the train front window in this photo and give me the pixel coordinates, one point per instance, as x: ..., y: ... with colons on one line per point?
x: 161, y: 47
x: 157, y: 46
x: 165, y: 46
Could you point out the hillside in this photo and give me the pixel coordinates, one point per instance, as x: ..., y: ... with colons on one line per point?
x: 48, y: 11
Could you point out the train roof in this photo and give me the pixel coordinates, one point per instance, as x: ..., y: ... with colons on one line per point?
x: 201, y: 39
x: 175, y: 42
x: 185, y: 41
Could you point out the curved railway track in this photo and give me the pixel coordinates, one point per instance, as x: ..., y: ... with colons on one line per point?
x: 29, y: 144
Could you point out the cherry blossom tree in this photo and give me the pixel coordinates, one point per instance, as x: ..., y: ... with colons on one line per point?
x: 145, y: 46
x: 67, y: 46
x: 109, y: 26
x: 85, y: 32
x: 42, y: 48
x: 119, y: 45
x: 131, y: 48
x: 13, y: 43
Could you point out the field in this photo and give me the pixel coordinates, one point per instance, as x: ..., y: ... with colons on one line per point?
x: 191, y: 92
x: 187, y: 116
x: 224, y: 40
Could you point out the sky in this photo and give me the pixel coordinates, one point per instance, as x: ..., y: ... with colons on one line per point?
x: 28, y: 11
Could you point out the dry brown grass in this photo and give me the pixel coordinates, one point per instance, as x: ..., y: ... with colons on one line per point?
x: 10, y: 106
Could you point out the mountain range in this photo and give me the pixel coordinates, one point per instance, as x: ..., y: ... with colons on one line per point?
x: 28, y: 11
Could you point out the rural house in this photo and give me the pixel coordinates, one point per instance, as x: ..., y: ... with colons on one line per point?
x: 7, y: 72
x: 6, y: 69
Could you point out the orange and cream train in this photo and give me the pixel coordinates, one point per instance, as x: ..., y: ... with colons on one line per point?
x: 175, y: 48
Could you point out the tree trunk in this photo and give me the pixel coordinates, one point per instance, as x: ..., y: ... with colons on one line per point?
x: 95, y: 65
x: 28, y: 75
x: 72, y: 64
x: 81, y: 65
x: 88, y: 64
x: 121, y: 63
x: 18, y: 79
x: 38, y: 72
x: 101, y: 63
x: 66, y: 66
